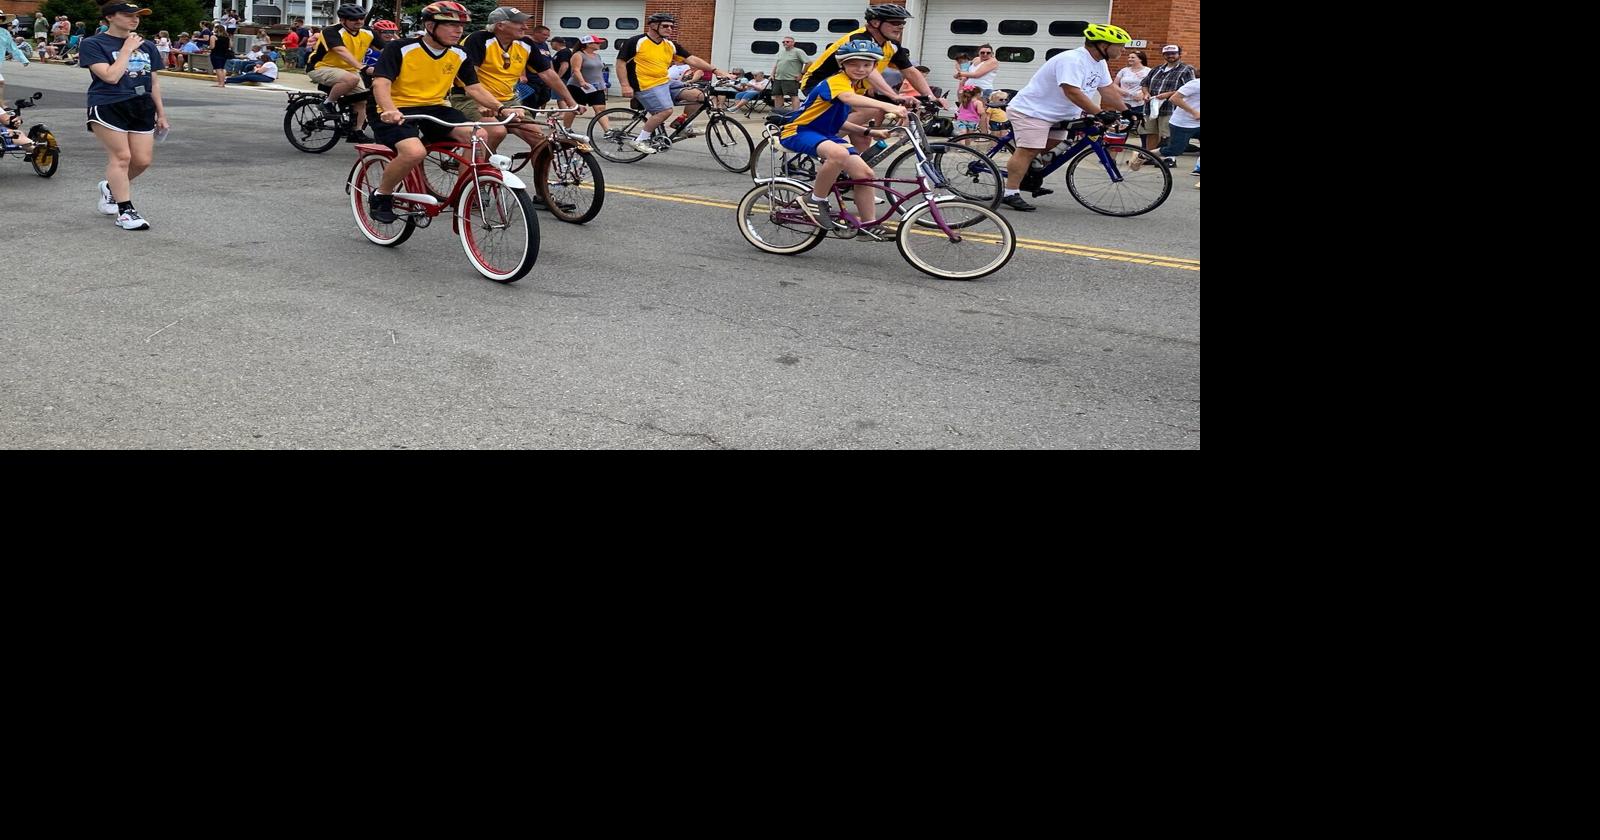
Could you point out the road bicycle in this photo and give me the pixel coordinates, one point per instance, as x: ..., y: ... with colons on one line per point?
x: 1112, y: 179
x: 493, y: 215
x: 729, y: 142
x: 45, y: 154
x: 966, y: 172
x: 945, y: 236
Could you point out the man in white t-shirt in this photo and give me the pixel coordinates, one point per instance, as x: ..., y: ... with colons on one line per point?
x: 1185, y: 121
x: 1058, y: 92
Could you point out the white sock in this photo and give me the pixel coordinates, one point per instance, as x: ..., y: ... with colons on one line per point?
x: 1012, y: 192
x: 815, y: 197
x: 644, y: 136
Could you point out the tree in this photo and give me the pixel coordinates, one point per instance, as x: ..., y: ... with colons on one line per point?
x: 174, y: 16
x: 85, y: 11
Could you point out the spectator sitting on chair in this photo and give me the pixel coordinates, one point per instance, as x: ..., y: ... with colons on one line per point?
x: 750, y: 92
x: 265, y: 71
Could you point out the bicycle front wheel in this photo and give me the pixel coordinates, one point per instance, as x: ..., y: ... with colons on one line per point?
x: 309, y: 128
x: 730, y: 144
x: 46, y: 154
x: 771, y: 218
x: 789, y: 165
x: 617, y: 144
x: 980, y: 242
x: 1129, y: 182
x: 989, y: 146
x: 498, y: 229
x: 968, y: 173
x: 570, y: 184
x: 366, y: 177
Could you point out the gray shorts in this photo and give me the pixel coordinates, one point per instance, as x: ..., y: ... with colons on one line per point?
x: 656, y: 99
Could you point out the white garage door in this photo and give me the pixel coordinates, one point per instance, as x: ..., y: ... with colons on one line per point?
x: 759, y: 27
x: 613, y: 20
x: 1024, y: 33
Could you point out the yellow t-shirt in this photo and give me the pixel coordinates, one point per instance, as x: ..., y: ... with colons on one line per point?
x: 418, y: 76
x: 324, y: 56
x: 648, y: 61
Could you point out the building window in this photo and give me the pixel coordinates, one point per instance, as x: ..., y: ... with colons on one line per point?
x: 1068, y: 28
x: 958, y: 49
x: 572, y: 23
x: 768, y: 24
x: 804, y: 25
x: 1049, y: 54
x: 806, y: 47
x: 627, y: 23
x: 843, y: 25
x: 1021, y: 55
x: 599, y: 23
x: 764, y: 47
x: 1018, y: 27
x: 969, y: 27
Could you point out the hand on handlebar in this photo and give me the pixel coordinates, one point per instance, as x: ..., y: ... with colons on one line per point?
x: 392, y: 117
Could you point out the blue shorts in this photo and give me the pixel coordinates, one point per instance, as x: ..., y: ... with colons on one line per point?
x: 806, y: 142
x: 656, y: 99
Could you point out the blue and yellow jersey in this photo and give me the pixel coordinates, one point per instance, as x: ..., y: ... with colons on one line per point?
x: 822, y: 112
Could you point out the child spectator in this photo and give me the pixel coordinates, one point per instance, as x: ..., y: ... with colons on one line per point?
x: 967, y: 115
x: 998, y: 120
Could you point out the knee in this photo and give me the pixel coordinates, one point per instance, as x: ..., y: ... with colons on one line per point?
x: 120, y: 158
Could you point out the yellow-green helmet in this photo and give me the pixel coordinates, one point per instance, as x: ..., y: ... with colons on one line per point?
x: 1107, y: 33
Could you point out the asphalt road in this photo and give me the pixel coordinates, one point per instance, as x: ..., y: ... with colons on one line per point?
x: 254, y: 315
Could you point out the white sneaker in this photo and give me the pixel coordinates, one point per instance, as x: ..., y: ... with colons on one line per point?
x: 108, y: 204
x: 693, y: 131
x: 131, y: 220
x: 642, y: 146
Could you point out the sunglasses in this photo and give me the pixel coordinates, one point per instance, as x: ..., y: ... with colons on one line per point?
x: 985, y: 52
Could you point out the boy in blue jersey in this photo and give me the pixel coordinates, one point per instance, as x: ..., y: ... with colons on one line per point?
x: 815, y: 128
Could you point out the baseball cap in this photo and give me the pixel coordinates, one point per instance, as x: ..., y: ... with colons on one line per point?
x: 508, y: 13
x: 588, y: 39
x: 110, y: 9
x: 1172, y: 48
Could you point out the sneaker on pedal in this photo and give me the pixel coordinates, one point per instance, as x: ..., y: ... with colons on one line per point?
x: 131, y: 220
x: 878, y: 233
x: 1017, y: 202
x: 818, y: 209
x: 642, y: 146
x: 358, y: 136
x: 1042, y: 191
x: 108, y: 205
x: 381, y: 208
x: 692, y: 131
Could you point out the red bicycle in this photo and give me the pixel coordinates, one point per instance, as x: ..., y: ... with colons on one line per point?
x: 493, y: 215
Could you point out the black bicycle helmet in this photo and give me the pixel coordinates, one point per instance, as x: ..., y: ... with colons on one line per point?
x: 662, y: 17
x: 352, y: 12
x: 887, y: 11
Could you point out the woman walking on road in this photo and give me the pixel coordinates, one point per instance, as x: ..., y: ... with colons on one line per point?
x: 221, y: 52
x: 125, y: 107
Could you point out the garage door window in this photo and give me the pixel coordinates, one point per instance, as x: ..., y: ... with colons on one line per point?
x: 767, y: 24
x: 1068, y: 28
x: 805, y: 25
x: 969, y: 27
x: 1018, y: 27
x: 843, y: 25
x: 599, y: 23
x: 1021, y: 55
x: 627, y: 23
x: 969, y: 49
x: 771, y: 47
x: 572, y: 23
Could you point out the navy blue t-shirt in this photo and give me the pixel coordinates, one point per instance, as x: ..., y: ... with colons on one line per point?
x: 105, y: 49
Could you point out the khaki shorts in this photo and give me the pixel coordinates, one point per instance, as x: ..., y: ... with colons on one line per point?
x: 332, y: 75
x: 470, y: 109
x: 1159, y: 125
x: 1034, y: 133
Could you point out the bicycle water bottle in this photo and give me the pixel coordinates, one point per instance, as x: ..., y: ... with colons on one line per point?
x: 875, y: 151
x: 1117, y: 134
x: 678, y: 123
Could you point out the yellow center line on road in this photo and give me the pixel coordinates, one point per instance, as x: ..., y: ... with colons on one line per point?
x: 1044, y: 245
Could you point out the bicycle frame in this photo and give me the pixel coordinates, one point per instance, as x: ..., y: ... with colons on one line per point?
x: 1090, y: 138
x: 416, y: 196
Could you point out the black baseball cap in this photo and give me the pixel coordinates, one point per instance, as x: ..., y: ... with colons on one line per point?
x: 110, y: 9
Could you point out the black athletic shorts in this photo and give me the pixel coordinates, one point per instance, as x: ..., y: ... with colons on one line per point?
x: 430, y: 132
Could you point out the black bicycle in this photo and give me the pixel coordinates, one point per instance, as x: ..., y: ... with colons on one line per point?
x: 311, y: 128
x: 729, y: 142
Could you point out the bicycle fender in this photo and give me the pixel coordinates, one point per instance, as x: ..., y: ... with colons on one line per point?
x: 907, y: 211
x: 786, y: 182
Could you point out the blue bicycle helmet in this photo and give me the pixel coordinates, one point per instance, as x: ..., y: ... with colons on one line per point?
x: 859, y: 48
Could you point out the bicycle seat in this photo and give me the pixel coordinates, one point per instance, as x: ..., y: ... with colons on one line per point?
x: 779, y: 119
x: 324, y: 88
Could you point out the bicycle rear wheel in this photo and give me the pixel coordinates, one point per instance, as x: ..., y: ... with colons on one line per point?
x: 498, y: 229
x: 790, y: 165
x: 981, y: 244
x: 309, y: 128
x: 617, y: 144
x: 570, y: 184
x: 730, y: 144
x: 1132, y: 181
x: 989, y: 146
x: 770, y: 217
x: 440, y: 169
x: 969, y: 174
x: 363, y: 180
